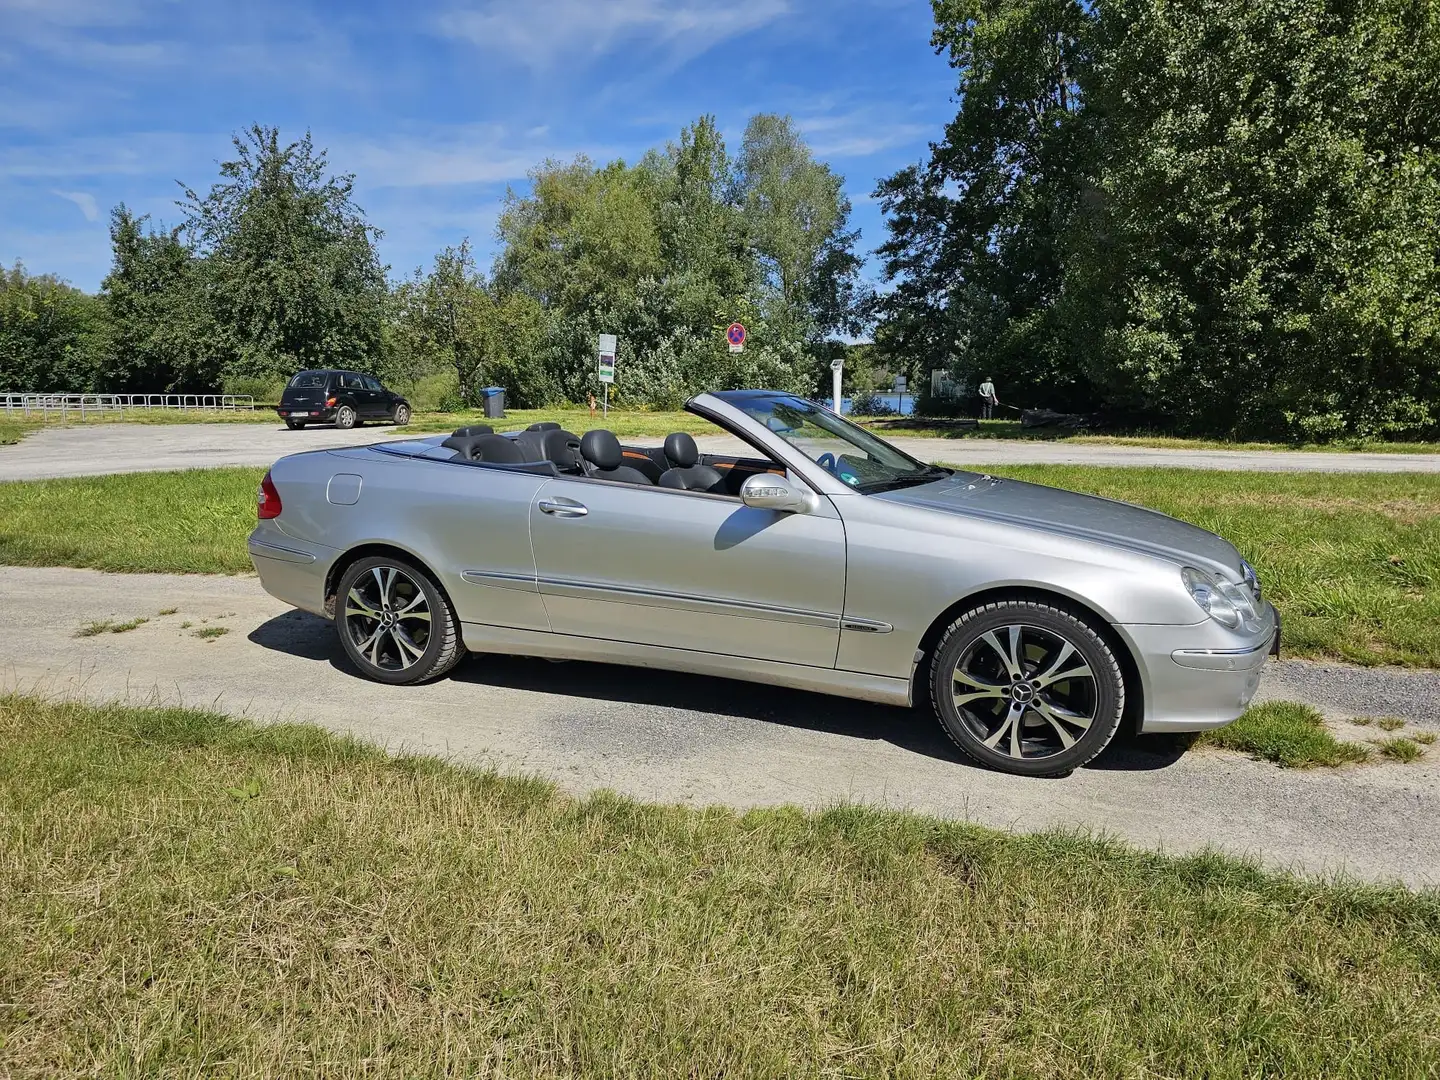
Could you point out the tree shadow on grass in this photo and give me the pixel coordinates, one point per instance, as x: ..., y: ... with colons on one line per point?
x: 310, y: 637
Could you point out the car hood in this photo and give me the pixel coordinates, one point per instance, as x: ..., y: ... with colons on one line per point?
x: 1068, y: 513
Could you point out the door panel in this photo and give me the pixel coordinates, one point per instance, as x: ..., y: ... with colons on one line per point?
x: 683, y: 570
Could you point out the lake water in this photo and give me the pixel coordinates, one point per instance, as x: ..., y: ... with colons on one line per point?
x: 901, y: 404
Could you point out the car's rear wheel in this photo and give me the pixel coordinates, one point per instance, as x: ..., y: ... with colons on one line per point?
x: 1026, y: 688
x: 295, y: 425
x: 346, y: 417
x: 401, y: 415
x: 394, y: 621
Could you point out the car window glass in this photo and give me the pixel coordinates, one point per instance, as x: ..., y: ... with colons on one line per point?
x: 308, y: 380
x: 372, y: 384
x: 350, y: 382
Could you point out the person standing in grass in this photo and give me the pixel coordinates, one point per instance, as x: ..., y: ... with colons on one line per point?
x: 988, y: 400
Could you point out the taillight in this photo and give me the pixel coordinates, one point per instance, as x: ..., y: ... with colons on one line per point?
x: 329, y: 402
x: 267, y: 500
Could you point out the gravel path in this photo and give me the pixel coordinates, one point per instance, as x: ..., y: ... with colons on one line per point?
x: 1342, y: 691
x: 689, y: 739
x: 115, y: 448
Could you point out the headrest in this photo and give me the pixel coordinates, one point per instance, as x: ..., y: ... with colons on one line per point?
x: 543, y: 425
x: 465, y: 444
x: 601, y: 448
x: 680, y: 450
x: 498, y: 449
x: 473, y: 429
x: 561, y: 447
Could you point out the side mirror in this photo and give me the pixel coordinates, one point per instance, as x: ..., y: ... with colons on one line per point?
x: 770, y: 491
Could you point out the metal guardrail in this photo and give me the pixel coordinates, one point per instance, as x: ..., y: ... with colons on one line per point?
x: 64, y: 406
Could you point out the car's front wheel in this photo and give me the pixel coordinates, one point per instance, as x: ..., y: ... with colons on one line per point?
x: 394, y: 622
x: 346, y: 417
x: 401, y: 415
x: 1027, y: 688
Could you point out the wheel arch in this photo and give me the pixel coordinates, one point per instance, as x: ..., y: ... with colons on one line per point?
x: 1134, y: 714
x: 363, y: 551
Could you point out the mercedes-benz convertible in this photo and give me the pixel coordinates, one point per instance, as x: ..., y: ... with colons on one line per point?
x: 1036, y: 622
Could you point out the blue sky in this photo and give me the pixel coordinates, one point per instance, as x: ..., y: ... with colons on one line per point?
x: 436, y: 107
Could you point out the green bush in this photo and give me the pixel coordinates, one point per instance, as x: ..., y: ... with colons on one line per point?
x: 265, y: 391
x: 436, y: 393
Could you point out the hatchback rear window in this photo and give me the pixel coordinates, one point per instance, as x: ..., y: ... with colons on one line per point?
x: 308, y: 380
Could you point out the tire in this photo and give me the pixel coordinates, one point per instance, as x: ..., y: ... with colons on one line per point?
x: 380, y: 614
x: 295, y: 425
x: 346, y: 417
x: 401, y: 415
x: 1033, y: 724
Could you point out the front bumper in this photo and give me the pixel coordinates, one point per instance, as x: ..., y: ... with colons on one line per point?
x: 1202, y: 676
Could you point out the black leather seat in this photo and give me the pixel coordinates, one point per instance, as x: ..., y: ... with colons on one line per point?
x: 473, y: 429
x: 602, y: 454
x: 685, y: 472
x: 550, y: 442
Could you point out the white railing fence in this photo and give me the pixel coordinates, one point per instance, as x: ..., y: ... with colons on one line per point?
x: 82, y: 406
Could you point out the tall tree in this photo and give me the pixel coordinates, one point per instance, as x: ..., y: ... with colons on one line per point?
x: 290, y: 263
x: 160, y: 333
x: 51, y: 335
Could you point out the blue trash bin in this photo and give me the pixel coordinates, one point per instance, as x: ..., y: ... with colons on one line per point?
x: 493, y: 400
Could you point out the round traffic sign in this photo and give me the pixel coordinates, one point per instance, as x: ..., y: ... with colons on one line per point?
x: 735, y: 334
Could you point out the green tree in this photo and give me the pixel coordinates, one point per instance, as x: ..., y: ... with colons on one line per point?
x: 160, y: 332
x: 51, y: 335
x: 1210, y: 215
x: 289, y: 263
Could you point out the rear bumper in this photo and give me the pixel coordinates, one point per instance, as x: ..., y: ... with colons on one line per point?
x: 290, y: 570
x: 310, y: 416
x: 1199, y: 677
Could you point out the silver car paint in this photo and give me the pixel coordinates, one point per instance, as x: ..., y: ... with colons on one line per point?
x: 837, y: 599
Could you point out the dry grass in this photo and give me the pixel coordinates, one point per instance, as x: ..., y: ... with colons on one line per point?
x: 105, y: 626
x: 188, y: 895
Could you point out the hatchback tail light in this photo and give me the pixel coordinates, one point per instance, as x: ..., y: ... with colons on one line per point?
x: 329, y: 402
x: 267, y: 500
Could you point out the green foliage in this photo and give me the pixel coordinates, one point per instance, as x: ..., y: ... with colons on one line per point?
x: 51, y: 336
x: 161, y: 332
x: 1289, y: 734
x: 289, y: 264
x: 1219, y: 216
x: 667, y: 252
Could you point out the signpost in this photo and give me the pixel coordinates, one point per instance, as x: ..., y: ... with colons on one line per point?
x: 900, y: 389
x: 607, y: 366
x: 735, y: 335
x: 836, y: 367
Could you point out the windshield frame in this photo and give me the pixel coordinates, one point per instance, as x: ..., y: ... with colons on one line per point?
x: 888, y: 467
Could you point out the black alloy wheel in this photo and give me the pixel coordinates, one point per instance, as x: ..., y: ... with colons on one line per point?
x: 1027, y: 688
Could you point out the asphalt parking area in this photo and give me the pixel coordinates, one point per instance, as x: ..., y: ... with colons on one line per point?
x: 116, y: 448
x: 688, y: 739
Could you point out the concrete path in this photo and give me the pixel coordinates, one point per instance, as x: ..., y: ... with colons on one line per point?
x: 116, y: 448
x: 689, y: 739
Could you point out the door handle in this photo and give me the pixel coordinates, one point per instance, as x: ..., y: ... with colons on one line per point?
x: 562, y: 508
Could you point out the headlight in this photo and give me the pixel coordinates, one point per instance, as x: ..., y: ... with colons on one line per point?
x: 1226, y: 603
x: 1252, y: 579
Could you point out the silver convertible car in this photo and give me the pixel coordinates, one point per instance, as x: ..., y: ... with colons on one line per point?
x: 1034, y: 621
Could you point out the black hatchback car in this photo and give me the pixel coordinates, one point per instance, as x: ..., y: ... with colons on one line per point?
x: 342, y: 398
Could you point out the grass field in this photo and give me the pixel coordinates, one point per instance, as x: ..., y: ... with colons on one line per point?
x: 1352, y: 561
x: 187, y: 895
x: 1288, y: 734
x: 1011, y: 429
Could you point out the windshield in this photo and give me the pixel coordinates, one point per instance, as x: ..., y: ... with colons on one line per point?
x: 865, y: 462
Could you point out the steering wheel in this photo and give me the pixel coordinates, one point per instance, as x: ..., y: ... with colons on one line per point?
x: 827, y: 462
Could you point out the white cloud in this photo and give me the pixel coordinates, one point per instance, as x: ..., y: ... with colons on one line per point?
x: 84, y: 200
x: 543, y: 33
x: 858, y: 133
x: 463, y: 154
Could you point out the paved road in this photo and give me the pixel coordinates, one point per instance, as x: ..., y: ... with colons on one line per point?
x: 689, y: 739
x: 114, y: 448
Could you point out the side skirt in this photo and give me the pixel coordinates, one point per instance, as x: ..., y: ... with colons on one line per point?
x: 850, y: 684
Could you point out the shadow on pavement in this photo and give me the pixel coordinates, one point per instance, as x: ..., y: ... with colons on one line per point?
x: 309, y: 637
